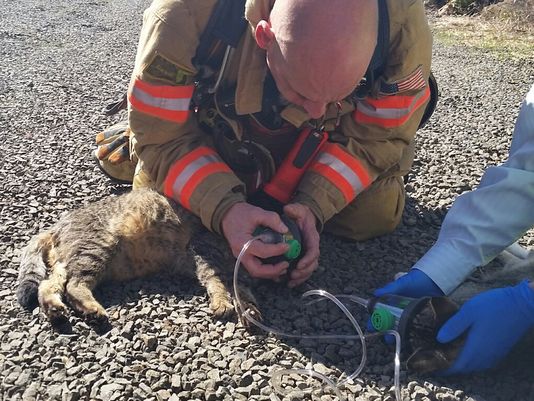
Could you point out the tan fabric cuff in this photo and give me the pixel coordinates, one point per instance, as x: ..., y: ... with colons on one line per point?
x: 231, y: 198
x: 306, y: 200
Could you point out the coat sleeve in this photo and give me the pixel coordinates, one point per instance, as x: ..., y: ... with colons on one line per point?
x: 166, y: 139
x: 483, y: 222
x: 376, y: 139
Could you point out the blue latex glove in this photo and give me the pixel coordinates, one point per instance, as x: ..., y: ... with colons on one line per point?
x: 415, y: 284
x: 496, y: 320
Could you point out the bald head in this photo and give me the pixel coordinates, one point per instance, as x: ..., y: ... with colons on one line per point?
x: 320, y: 48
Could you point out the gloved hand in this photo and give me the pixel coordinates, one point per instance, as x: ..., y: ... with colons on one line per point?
x: 414, y: 284
x: 495, y: 321
x: 112, y: 143
x: 113, y: 152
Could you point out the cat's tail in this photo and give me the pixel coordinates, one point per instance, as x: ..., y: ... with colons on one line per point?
x: 33, y: 269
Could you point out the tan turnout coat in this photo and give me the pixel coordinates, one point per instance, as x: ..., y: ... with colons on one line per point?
x: 373, y: 141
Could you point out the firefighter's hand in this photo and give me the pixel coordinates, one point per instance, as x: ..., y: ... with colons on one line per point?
x: 238, y: 226
x: 308, y: 263
x: 112, y: 143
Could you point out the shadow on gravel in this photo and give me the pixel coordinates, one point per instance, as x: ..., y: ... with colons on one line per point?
x: 139, y: 294
x: 163, y: 284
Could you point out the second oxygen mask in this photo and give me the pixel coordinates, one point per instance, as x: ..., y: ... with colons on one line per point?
x: 418, y: 322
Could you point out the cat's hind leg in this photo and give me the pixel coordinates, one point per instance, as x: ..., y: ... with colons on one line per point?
x: 51, y: 292
x: 79, y: 293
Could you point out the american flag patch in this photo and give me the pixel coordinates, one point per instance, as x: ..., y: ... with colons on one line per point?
x: 413, y: 81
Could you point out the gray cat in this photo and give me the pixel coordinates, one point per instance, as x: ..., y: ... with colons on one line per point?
x: 118, y: 239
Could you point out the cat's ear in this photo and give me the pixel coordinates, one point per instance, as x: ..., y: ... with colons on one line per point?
x: 427, y: 360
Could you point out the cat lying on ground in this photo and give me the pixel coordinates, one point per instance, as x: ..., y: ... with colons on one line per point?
x: 121, y: 238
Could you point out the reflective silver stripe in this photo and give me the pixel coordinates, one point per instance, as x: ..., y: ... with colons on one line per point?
x: 335, y: 164
x: 181, y: 104
x: 191, y: 169
x: 371, y: 111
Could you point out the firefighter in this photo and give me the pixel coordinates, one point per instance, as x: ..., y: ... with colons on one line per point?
x: 211, y: 135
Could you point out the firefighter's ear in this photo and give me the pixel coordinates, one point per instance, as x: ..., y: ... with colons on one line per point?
x: 264, y: 34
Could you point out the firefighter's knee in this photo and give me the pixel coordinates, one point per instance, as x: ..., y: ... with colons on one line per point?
x: 374, y: 212
x: 141, y: 179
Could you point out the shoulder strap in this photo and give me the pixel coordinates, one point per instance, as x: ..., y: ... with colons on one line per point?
x: 225, y: 27
x: 380, y: 55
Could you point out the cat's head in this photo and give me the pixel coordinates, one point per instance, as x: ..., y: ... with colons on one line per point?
x: 426, y: 354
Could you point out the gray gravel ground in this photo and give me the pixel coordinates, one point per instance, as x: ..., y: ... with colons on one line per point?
x: 59, y: 64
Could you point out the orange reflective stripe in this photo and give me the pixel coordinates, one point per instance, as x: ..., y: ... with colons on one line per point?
x: 182, y: 163
x: 351, y: 162
x: 342, y: 170
x: 166, y: 102
x: 189, y: 171
x: 174, y: 116
x: 197, y: 178
x: 165, y: 91
x: 389, y: 111
x: 337, y: 179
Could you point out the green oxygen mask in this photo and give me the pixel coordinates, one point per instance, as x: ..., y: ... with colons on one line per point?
x: 292, y: 237
x: 418, y: 321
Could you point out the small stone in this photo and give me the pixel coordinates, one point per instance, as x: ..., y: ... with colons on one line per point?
x: 150, y: 342
x: 127, y: 330
x: 107, y: 390
x: 31, y: 392
x: 446, y: 397
x: 176, y: 382
x: 163, y: 395
x: 23, y: 379
x: 193, y: 343
x: 182, y: 356
x: 145, y: 388
x: 246, y: 379
x: 320, y: 368
x: 248, y: 364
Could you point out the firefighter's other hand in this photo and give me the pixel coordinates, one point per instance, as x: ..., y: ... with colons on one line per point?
x: 238, y: 226
x: 310, y: 236
x: 113, y: 144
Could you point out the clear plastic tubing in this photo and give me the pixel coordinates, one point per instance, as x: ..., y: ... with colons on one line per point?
x: 276, y: 376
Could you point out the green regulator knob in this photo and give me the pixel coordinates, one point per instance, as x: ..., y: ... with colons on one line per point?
x: 291, y: 238
x: 382, y: 319
x: 294, y: 249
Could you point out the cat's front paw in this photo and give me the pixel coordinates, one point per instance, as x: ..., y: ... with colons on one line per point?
x: 222, y: 306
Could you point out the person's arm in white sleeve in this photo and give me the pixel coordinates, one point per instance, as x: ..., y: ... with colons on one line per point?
x: 483, y: 222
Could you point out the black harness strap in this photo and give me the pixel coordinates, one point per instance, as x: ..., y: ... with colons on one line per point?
x: 380, y: 55
x: 225, y: 28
